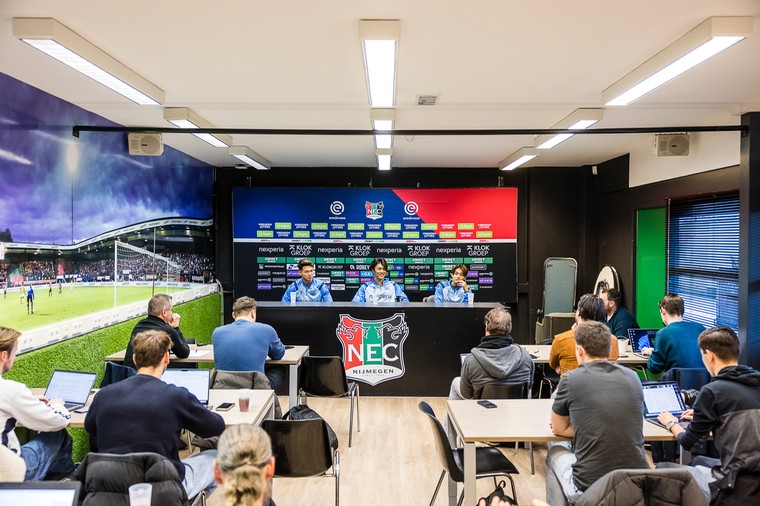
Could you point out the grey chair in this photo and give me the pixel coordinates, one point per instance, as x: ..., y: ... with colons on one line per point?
x: 489, y: 462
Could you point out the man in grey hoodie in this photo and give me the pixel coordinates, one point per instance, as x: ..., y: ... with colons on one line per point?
x: 495, y: 359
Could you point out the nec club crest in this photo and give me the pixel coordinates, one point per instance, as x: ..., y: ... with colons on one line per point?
x: 374, y: 209
x: 373, y: 350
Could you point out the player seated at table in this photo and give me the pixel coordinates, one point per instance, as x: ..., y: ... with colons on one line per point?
x: 48, y: 455
x: 243, y: 468
x: 601, y: 406
x: 144, y: 414
x: 245, y: 344
x: 562, y: 355
x: 729, y: 408
x: 456, y: 289
x: 675, y: 345
x: 380, y: 289
x: 496, y: 359
x: 308, y: 288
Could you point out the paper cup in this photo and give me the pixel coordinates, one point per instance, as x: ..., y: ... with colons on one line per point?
x: 622, y: 345
x: 244, y: 400
x: 139, y: 494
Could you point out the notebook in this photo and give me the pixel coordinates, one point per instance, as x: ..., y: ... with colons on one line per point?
x: 662, y: 396
x: 40, y: 493
x: 71, y: 386
x: 641, y: 338
x: 195, y: 380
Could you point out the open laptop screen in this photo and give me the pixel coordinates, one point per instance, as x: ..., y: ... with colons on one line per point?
x: 40, y: 493
x: 71, y: 386
x: 195, y: 380
x: 641, y: 338
x: 662, y: 396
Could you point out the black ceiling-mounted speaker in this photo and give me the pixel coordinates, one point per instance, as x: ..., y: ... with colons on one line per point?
x: 671, y: 144
x: 145, y: 144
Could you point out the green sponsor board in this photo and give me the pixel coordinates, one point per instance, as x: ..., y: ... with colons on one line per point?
x: 392, y: 226
x: 448, y: 260
x: 337, y: 274
x: 265, y: 233
x: 442, y: 274
x: 410, y: 235
x: 338, y: 234
x: 282, y: 225
x: 271, y: 260
x: 484, y: 234
x: 392, y: 261
x: 394, y: 274
x: 428, y: 226
x: 426, y: 287
x: 330, y: 260
x: 373, y: 235
x: 465, y: 226
x: 361, y: 261
x: 409, y: 281
x: 301, y: 234
x: 418, y: 261
x: 319, y: 226
x: 356, y: 226
x: 479, y: 260
x: 447, y: 234
x: 353, y: 281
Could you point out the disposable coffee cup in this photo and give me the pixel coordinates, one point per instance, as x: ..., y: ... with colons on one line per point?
x: 293, y: 299
x: 622, y: 345
x: 244, y: 400
x: 470, y: 298
x: 139, y: 494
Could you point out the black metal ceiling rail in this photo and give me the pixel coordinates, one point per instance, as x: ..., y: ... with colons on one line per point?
x: 504, y: 132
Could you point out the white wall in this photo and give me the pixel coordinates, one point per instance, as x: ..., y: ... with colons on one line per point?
x: 707, y: 151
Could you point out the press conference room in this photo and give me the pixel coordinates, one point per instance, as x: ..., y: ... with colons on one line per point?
x: 551, y: 150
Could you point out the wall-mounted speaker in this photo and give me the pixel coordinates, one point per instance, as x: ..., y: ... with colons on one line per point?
x: 671, y: 144
x: 145, y: 144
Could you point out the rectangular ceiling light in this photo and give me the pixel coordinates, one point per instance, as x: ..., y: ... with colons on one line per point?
x: 183, y: 117
x: 250, y: 157
x: 382, y: 119
x: 519, y: 157
x: 383, y: 158
x: 708, y: 39
x: 66, y: 46
x: 380, y: 47
x: 580, y: 119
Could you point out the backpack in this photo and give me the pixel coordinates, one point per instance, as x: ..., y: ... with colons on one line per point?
x: 304, y: 412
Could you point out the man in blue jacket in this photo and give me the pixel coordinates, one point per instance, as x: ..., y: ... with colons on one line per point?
x: 676, y: 344
x: 619, y: 319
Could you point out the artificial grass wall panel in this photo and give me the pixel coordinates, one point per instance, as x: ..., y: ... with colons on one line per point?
x: 85, y: 353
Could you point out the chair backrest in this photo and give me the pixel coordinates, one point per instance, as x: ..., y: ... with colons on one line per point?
x: 323, y: 376
x: 442, y: 445
x: 429, y: 298
x: 644, y: 486
x: 106, y: 478
x: 232, y: 380
x: 116, y: 372
x: 504, y: 391
x: 688, y: 377
x: 301, y: 447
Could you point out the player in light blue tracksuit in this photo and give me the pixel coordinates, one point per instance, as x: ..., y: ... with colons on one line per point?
x: 307, y: 289
x: 380, y: 289
x: 455, y: 290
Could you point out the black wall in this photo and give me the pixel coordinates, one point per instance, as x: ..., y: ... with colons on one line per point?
x: 556, y: 217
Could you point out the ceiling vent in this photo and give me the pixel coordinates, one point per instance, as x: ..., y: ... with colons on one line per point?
x: 427, y: 99
x: 145, y: 144
x: 671, y: 144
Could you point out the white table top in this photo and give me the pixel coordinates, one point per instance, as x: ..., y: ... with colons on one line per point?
x: 205, y: 354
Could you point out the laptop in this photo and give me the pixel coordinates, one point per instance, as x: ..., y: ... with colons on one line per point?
x: 641, y: 338
x: 71, y: 386
x: 40, y: 493
x: 662, y: 396
x: 195, y: 380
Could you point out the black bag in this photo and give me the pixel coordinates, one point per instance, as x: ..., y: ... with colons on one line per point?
x: 304, y: 412
x: 498, y: 492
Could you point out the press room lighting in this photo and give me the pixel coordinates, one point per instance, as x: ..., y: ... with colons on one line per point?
x: 580, y: 119
x: 250, y: 157
x: 383, y: 158
x: 380, y: 46
x: 382, y: 119
x: 61, y: 43
x: 708, y: 39
x: 183, y: 117
x: 519, y: 157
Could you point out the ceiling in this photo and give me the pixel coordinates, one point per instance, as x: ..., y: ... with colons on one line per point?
x: 496, y: 64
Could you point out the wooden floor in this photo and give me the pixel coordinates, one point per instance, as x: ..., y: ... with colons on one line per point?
x: 393, y: 459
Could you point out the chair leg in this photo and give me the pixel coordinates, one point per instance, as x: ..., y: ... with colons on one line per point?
x: 514, y: 491
x: 351, y: 423
x: 437, y: 487
x: 358, y: 424
x: 532, y: 464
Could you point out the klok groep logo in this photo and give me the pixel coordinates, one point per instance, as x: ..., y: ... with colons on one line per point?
x: 373, y: 350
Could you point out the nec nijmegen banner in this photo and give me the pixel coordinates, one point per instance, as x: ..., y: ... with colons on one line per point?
x: 422, y: 234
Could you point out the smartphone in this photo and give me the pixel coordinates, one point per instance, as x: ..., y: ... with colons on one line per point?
x: 486, y: 404
x: 83, y: 409
x: 225, y: 406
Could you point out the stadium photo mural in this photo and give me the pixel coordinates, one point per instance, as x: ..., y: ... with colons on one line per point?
x: 80, y: 213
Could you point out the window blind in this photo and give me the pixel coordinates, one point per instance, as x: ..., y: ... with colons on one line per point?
x: 703, y: 258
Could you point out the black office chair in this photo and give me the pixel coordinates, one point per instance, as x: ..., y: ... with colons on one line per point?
x: 302, y: 448
x: 488, y: 461
x: 115, y: 373
x: 326, y: 377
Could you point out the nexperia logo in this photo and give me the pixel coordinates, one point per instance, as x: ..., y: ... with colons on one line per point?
x: 373, y: 350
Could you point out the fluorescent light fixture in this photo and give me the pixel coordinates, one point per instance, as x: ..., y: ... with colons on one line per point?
x: 382, y: 119
x: 66, y: 46
x: 383, y: 158
x: 518, y: 158
x: 580, y: 119
x: 184, y: 117
x: 708, y: 39
x: 250, y: 157
x: 380, y: 46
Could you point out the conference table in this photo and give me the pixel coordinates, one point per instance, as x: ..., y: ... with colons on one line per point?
x: 200, y: 354
x: 511, y: 421
x: 541, y: 354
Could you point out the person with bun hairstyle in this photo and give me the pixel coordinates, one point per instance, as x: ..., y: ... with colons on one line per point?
x: 243, y: 468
